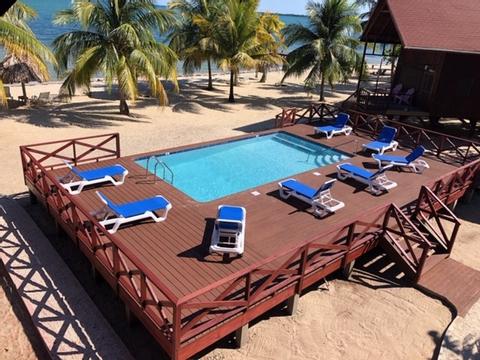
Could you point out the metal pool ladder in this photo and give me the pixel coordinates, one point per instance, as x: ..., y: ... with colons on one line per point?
x: 158, y: 163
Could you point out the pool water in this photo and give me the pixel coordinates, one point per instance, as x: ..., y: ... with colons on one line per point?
x: 212, y: 172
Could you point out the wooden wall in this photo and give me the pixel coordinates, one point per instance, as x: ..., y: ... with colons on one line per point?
x: 447, y: 84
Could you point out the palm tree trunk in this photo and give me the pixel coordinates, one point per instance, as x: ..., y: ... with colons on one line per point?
x: 322, y: 89
x: 235, y: 78
x: 232, y: 79
x: 264, y: 74
x: 124, y: 109
x: 210, y: 82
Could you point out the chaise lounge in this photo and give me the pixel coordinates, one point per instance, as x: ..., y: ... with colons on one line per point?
x: 229, y: 231
x: 320, y: 199
x: 76, y: 179
x: 339, y: 127
x: 384, y: 142
x: 377, y: 182
x: 116, y: 215
x: 412, y: 160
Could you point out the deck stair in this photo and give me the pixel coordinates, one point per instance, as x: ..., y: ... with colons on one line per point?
x: 420, y: 241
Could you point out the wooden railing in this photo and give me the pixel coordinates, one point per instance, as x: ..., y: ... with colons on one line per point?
x: 433, y: 214
x: 135, y: 283
x: 443, y: 146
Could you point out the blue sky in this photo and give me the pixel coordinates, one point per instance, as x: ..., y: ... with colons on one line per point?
x: 277, y: 6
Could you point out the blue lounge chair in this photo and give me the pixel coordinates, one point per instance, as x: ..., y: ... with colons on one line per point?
x: 320, y: 199
x: 229, y: 231
x: 339, y: 127
x: 116, y: 215
x: 76, y: 179
x: 384, y: 142
x: 412, y: 160
x: 377, y: 182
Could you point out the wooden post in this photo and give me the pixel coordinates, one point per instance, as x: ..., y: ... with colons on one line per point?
x: 347, y: 270
x: 128, y: 314
x: 292, y: 304
x: 361, y: 68
x: 241, y: 336
x: 33, y: 198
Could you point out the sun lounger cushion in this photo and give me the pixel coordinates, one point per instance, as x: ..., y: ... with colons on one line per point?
x: 300, y: 188
x: 100, y: 173
x: 358, y: 171
x: 137, y: 207
x: 230, y: 213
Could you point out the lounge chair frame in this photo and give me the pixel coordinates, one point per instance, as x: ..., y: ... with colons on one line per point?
x: 377, y: 185
x: 418, y: 166
x: 236, y: 246
x: 110, y: 217
x: 393, y: 145
x: 334, y: 130
x: 323, y: 204
x: 74, y: 185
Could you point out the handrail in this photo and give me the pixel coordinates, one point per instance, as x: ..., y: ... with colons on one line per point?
x: 157, y: 163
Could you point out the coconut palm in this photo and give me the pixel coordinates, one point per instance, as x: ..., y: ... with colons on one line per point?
x: 193, y: 40
x: 117, y: 39
x: 270, y: 39
x: 18, y: 40
x: 326, y: 49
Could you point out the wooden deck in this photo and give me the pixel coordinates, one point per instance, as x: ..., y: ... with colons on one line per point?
x: 455, y: 282
x: 177, y: 249
x: 187, y: 298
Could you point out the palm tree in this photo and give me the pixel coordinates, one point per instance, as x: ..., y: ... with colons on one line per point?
x: 270, y: 39
x: 193, y: 40
x: 116, y: 38
x: 18, y: 40
x: 326, y: 48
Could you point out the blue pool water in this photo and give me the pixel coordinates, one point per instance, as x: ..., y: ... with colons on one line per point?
x: 212, y: 172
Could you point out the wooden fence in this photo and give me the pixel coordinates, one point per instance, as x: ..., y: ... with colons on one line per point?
x: 443, y: 146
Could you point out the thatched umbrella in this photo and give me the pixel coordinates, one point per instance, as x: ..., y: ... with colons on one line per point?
x: 13, y: 70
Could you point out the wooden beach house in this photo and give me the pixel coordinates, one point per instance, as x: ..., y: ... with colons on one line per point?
x: 438, y: 48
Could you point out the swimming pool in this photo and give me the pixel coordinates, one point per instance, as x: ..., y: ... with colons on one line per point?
x: 212, y: 172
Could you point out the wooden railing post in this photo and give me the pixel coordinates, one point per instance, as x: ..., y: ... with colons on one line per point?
x: 303, y: 267
x: 422, y: 261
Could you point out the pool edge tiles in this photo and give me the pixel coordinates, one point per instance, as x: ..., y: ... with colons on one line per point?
x: 210, y: 172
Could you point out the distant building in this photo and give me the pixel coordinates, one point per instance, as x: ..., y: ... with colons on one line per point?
x: 439, y: 56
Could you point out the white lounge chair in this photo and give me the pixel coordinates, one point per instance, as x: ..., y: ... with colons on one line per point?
x: 229, y: 231
x: 320, y: 199
x: 339, y: 127
x: 384, y: 142
x: 76, y: 179
x: 377, y: 182
x: 412, y: 160
x: 116, y: 215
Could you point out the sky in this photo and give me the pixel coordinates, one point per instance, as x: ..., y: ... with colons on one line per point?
x: 276, y: 6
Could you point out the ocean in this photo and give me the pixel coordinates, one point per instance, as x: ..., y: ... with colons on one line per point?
x: 43, y: 27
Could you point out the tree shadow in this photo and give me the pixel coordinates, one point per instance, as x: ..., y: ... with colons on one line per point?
x: 467, y: 349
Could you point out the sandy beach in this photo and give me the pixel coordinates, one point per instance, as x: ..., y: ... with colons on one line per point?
x: 392, y: 322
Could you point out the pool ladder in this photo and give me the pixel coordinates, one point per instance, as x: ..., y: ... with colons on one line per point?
x: 158, y: 163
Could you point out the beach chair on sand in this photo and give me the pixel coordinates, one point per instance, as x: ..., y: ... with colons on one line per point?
x: 320, y: 199
x: 384, y: 142
x: 377, y: 182
x: 228, y: 235
x: 412, y: 160
x: 76, y: 179
x: 339, y: 127
x: 42, y: 99
x: 115, y: 215
x: 405, y: 98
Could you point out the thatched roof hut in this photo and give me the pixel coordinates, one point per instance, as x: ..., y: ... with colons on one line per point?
x: 13, y: 70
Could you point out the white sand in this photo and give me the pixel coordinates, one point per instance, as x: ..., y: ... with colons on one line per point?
x: 350, y: 321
